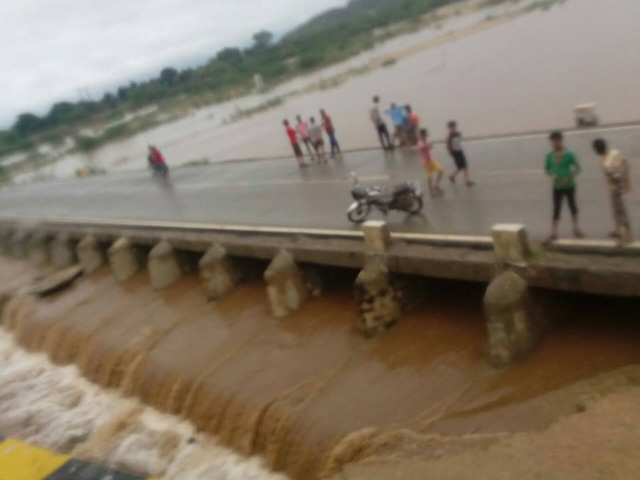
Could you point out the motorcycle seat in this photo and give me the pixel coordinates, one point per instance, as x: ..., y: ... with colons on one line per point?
x: 382, y: 196
x: 402, y: 188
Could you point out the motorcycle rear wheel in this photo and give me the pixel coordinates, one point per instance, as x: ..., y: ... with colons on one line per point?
x: 360, y: 214
x: 416, y: 205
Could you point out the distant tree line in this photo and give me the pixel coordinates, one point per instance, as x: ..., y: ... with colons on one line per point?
x: 327, y: 39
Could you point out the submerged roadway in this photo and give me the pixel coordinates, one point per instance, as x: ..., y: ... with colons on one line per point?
x: 511, y: 187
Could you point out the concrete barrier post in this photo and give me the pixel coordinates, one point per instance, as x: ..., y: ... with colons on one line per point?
x: 39, y: 249
x: 123, y: 259
x: 62, y: 250
x: 377, y: 237
x: 163, y: 265
x: 286, y: 288
x: 218, y: 273
x: 5, y: 241
x: 91, y: 254
x: 19, y: 243
x: 512, y: 326
x: 511, y: 243
x: 378, y: 301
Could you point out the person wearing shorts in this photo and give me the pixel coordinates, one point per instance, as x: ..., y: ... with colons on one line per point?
x: 293, y: 139
x: 431, y: 167
x: 454, y: 145
x: 562, y: 166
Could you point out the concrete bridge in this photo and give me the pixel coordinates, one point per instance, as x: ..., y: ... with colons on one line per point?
x: 516, y: 271
x: 291, y: 221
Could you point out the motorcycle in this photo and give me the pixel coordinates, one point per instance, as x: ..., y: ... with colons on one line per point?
x: 405, y: 197
x: 159, y: 169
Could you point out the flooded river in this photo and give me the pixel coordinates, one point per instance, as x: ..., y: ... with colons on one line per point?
x: 306, y: 394
x: 492, y: 76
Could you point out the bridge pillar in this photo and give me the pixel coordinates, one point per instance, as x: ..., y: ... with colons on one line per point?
x: 377, y: 237
x: 218, y: 273
x: 62, y: 250
x: 379, y: 301
x: 510, y: 243
x: 124, y: 259
x: 512, y: 326
x: 91, y: 254
x: 163, y: 265
x: 286, y: 288
x: 38, y: 250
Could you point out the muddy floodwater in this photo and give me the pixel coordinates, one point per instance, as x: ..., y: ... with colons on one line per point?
x: 493, y: 76
x: 307, y: 394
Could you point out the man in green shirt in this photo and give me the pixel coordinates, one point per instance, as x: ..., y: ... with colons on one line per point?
x: 562, y: 166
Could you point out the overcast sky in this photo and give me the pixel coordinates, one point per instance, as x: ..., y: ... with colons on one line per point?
x: 49, y: 49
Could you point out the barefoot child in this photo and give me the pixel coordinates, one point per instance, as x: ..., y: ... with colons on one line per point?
x: 431, y: 167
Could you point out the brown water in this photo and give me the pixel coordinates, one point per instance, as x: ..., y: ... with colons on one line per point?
x: 307, y: 393
x: 527, y: 73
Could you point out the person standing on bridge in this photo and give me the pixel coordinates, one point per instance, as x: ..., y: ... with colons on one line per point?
x: 302, y: 128
x: 412, y: 126
x: 327, y: 124
x: 293, y: 139
x: 431, y: 166
x: 381, y: 126
x: 315, y: 132
x: 399, y: 118
x: 454, y: 145
x: 616, y: 170
x: 562, y: 166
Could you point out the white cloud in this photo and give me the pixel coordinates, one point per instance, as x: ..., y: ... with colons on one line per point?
x: 49, y: 49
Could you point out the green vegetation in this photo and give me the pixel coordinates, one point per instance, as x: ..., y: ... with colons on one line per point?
x: 87, y: 143
x: 326, y: 39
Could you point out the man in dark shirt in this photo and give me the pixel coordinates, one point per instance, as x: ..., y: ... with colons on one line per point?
x: 454, y: 145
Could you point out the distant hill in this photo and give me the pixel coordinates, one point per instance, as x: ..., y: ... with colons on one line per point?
x: 328, y: 38
x: 366, y: 14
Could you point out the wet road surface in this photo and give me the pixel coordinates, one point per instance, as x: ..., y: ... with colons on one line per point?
x: 511, y: 187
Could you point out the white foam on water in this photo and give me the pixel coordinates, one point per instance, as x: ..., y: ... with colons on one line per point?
x: 55, y: 408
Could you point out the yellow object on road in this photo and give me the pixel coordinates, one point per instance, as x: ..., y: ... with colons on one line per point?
x: 19, y: 461
x: 24, y: 462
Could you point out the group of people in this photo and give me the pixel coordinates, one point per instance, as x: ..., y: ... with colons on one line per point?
x: 563, y: 166
x: 407, y: 132
x: 405, y: 121
x: 311, y: 134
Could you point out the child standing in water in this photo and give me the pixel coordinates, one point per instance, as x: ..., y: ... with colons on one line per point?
x: 431, y: 167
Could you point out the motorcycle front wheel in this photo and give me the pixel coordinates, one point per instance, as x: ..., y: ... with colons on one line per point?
x: 415, y: 204
x: 360, y: 213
